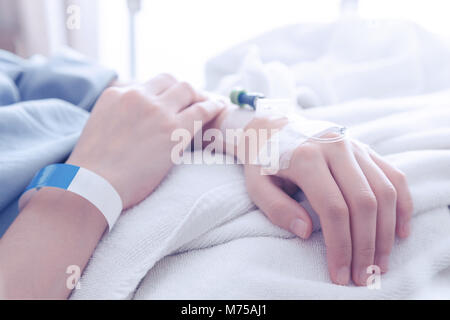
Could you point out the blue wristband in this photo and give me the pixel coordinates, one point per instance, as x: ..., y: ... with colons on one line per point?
x: 80, y: 181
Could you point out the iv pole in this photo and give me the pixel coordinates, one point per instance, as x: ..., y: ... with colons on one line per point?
x: 134, y: 6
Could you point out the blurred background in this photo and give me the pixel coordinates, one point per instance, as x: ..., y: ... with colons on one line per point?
x: 140, y: 38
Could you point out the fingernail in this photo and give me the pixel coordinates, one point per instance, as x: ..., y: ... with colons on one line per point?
x: 383, y: 263
x: 343, y: 276
x: 299, y: 228
x: 363, y: 275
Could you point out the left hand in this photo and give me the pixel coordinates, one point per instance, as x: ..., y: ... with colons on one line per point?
x: 361, y: 199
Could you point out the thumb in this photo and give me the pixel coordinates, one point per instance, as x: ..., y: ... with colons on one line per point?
x: 203, y: 111
x: 278, y: 206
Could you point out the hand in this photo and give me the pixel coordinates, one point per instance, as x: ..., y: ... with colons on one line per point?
x: 127, y: 138
x: 362, y: 202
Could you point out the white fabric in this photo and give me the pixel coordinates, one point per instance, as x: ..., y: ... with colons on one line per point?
x: 199, y: 235
x: 323, y: 64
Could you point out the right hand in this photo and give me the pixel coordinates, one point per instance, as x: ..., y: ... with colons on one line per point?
x: 127, y: 138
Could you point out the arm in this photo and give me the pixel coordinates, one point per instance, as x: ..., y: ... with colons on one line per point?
x: 129, y: 129
x: 57, y: 229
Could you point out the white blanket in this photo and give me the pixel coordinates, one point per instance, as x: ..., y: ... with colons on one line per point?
x: 199, y: 235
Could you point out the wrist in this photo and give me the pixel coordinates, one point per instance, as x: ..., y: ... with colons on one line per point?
x: 225, y: 121
x: 266, y: 123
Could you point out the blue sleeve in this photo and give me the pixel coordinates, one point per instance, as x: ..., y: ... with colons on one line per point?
x: 66, y: 76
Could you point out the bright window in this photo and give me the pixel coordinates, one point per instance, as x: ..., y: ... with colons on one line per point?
x: 179, y: 36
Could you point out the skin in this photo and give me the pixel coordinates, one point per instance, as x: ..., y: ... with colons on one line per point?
x: 362, y: 200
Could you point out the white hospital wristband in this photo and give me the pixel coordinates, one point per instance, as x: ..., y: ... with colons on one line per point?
x: 83, y: 182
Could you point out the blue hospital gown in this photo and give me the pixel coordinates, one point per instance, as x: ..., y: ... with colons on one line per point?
x: 44, y: 105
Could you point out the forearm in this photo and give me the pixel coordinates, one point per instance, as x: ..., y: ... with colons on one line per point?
x: 57, y: 229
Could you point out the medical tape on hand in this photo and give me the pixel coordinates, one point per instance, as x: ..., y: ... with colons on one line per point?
x: 276, y: 154
x: 278, y: 151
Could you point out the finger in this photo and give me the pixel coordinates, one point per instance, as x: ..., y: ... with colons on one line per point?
x: 199, y: 114
x: 322, y: 192
x: 279, y: 207
x: 362, y: 205
x: 404, y: 199
x: 386, y: 196
x: 159, y: 84
x: 180, y: 96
